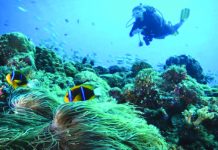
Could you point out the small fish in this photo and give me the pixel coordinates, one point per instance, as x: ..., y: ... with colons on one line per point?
x: 22, y: 9
x: 6, y: 24
x: 92, y: 62
x: 93, y: 24
x: 66, y: 20
x: 79, y: 93
x: 84, y: 60
x: 77, y: 21
x: 16, y: 79
x: 120, y: 61
x: 128, y: 54
x: 33, y: 2
x: 65, y: 34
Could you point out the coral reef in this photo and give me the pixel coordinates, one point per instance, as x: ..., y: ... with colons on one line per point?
x: 115, y: 68
x: 139, y: 108
x: 16, y: 50
x: 101, y: 70
x: 48, y: 61
x: 139, y: 65
x: 70, y: 69
x: 114, y: 80
x: 88, y: 125
x: 164, y: 97
x: 192, y: 66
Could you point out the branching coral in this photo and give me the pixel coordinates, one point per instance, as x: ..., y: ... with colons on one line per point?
x: 202, y: 114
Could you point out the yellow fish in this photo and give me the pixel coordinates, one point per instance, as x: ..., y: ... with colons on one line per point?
x: 16, y: 79
x: 79, y: 93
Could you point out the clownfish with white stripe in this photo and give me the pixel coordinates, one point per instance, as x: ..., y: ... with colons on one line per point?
x: 80, y: 93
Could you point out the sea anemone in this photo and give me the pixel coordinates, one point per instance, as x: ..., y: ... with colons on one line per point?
x: 38, y: 101
x: 93, y: 126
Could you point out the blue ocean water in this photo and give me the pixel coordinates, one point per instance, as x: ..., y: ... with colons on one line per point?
x: 98, y: 28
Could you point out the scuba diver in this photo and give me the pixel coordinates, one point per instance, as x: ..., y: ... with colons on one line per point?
x: 151, y: 24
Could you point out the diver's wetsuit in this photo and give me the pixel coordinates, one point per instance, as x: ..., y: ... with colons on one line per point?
x: 153, y: 26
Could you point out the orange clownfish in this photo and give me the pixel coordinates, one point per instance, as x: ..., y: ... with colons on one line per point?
x: 16, y: 79
x: 79, y: 93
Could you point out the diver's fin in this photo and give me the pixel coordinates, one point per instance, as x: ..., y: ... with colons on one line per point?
x: 184, y: 14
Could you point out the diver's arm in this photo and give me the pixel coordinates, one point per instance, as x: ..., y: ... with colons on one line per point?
x: 135, y: 27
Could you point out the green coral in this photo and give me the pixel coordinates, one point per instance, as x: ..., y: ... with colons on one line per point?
x: 114, y: 80
x: 16, y: 50
x: 138, y: 66
x: 48, y: 61
x: 190, y: 92
x: 56, y: 83
x: 201, y: 113
x: 70, y: 69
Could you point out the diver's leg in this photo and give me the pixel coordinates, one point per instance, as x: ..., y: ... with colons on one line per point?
x: 169, y: 29
x: 147, y: 42
x: 147, y: 39
x: 177, y: 26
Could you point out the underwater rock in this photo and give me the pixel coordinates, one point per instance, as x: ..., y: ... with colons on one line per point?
x: 57, y: 83
x: 114, y: 80
x: 16, y: 50
x: 115, y: 68
x: 84, y: 67
x: 189, y: 92
x: 115, y: 93
x: 48, y: 61
x: 22, y: 61
x: 70, y: 69
x: 139, y: 65
x: 174, y: 74
x: 101, y: 70
x: 128, y: 94
x: 192, y: 66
